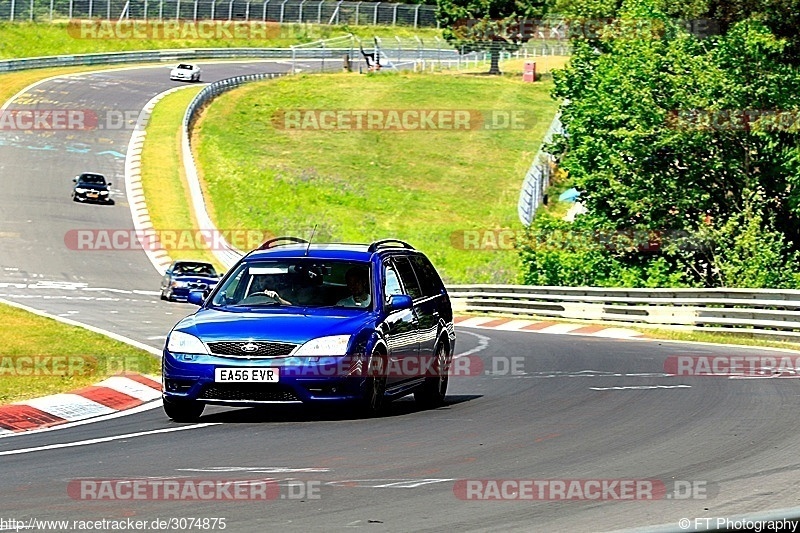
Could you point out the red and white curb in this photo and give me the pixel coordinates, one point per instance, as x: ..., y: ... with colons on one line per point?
x: 117, y: 393
x: 557, y: 328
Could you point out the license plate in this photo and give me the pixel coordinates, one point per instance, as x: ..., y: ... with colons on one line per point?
x: 246, y: 375
x: 90, y: 195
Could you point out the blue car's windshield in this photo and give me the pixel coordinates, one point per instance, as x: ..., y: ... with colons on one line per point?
x: 297, y: 282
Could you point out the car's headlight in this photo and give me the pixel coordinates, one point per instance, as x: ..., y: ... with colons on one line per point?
x: 333, y: 345
x: 180, y: 342
x: 103, y: 192
x: 80, y: 190
x: 180, y: 284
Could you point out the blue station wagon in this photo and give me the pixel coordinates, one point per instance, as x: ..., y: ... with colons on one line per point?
x: 352, y: 325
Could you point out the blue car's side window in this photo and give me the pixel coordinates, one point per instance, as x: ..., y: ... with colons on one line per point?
x: 391, y: 284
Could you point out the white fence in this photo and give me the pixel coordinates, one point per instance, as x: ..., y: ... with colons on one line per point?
x: 282, y: 11
x: 763, y: 312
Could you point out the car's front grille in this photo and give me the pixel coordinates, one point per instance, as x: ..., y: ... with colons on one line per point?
x: 198, y: 286
x: 251, y: 348
x: 247, y: 392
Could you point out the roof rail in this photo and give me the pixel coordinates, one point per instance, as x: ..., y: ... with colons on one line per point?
x: 281, y: 241
x: 381, y: 244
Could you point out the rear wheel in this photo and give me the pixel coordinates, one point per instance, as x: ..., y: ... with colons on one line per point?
x: 373, y: 401
x: 183, y: 410
x: 434, y: 390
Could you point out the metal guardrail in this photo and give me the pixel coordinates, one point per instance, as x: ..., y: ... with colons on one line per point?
x: 148, y: 56
x: 537, y: 179
x: 764, y: 312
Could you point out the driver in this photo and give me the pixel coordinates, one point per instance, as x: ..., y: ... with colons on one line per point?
x: 266, y: 285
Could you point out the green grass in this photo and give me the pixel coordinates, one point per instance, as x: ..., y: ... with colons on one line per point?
x: 33, y: 39
x: 163, y: 180
x: 421, y: 186
x: 92, y: 356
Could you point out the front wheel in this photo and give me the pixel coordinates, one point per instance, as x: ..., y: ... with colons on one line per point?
x: 373, y: 401
x: 183, y: 410
x: 434, y: 390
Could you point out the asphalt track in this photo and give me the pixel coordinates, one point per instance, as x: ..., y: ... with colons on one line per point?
x: 577, y: 408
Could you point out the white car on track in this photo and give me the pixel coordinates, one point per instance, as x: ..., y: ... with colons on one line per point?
x: 185, y: 72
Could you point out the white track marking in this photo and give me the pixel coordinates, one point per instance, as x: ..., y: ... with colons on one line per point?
x: 483, y: 343
x: 105, y: 439
x: 642, y: 387
x: 257, y: 469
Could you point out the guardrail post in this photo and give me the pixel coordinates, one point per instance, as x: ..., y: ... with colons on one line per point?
x: 416, y: 15
x: 247, y: 11
x: 194, y: 13
x: 230, y: 10
x: 178, y: 10
x: 145, y: 9
x: 319, y: 13
x: 358, y: 5
x: 300, y: 13
x: 108, y: 9
x: 283, y: 10
x: 213, y: 9
x: 161, y: 10
x: 31, y: 13
x: 375, y: 17
x: 394, y: 15
x: 51, y: 10
x: 264, y: 17
x: 70, y: 9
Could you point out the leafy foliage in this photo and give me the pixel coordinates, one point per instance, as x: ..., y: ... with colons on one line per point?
x: 693, y: 139
x: 493, y: 25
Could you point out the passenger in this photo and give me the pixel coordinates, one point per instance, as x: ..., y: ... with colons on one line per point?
x: 357, y: 279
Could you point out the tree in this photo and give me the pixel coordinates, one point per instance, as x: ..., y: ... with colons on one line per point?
x: 691, y: 139
x: 493, y: 25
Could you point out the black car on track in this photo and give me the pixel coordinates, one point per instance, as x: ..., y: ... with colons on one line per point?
x: 91, y: 187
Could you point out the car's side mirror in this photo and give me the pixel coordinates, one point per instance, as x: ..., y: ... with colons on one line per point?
x: 109, y: 184
x: 75, y: 179
x: 400, y: 301
x: 196, y: 297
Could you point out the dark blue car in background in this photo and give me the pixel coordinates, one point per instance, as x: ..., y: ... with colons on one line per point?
x: 182, y: 277
x: 352, y: 325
